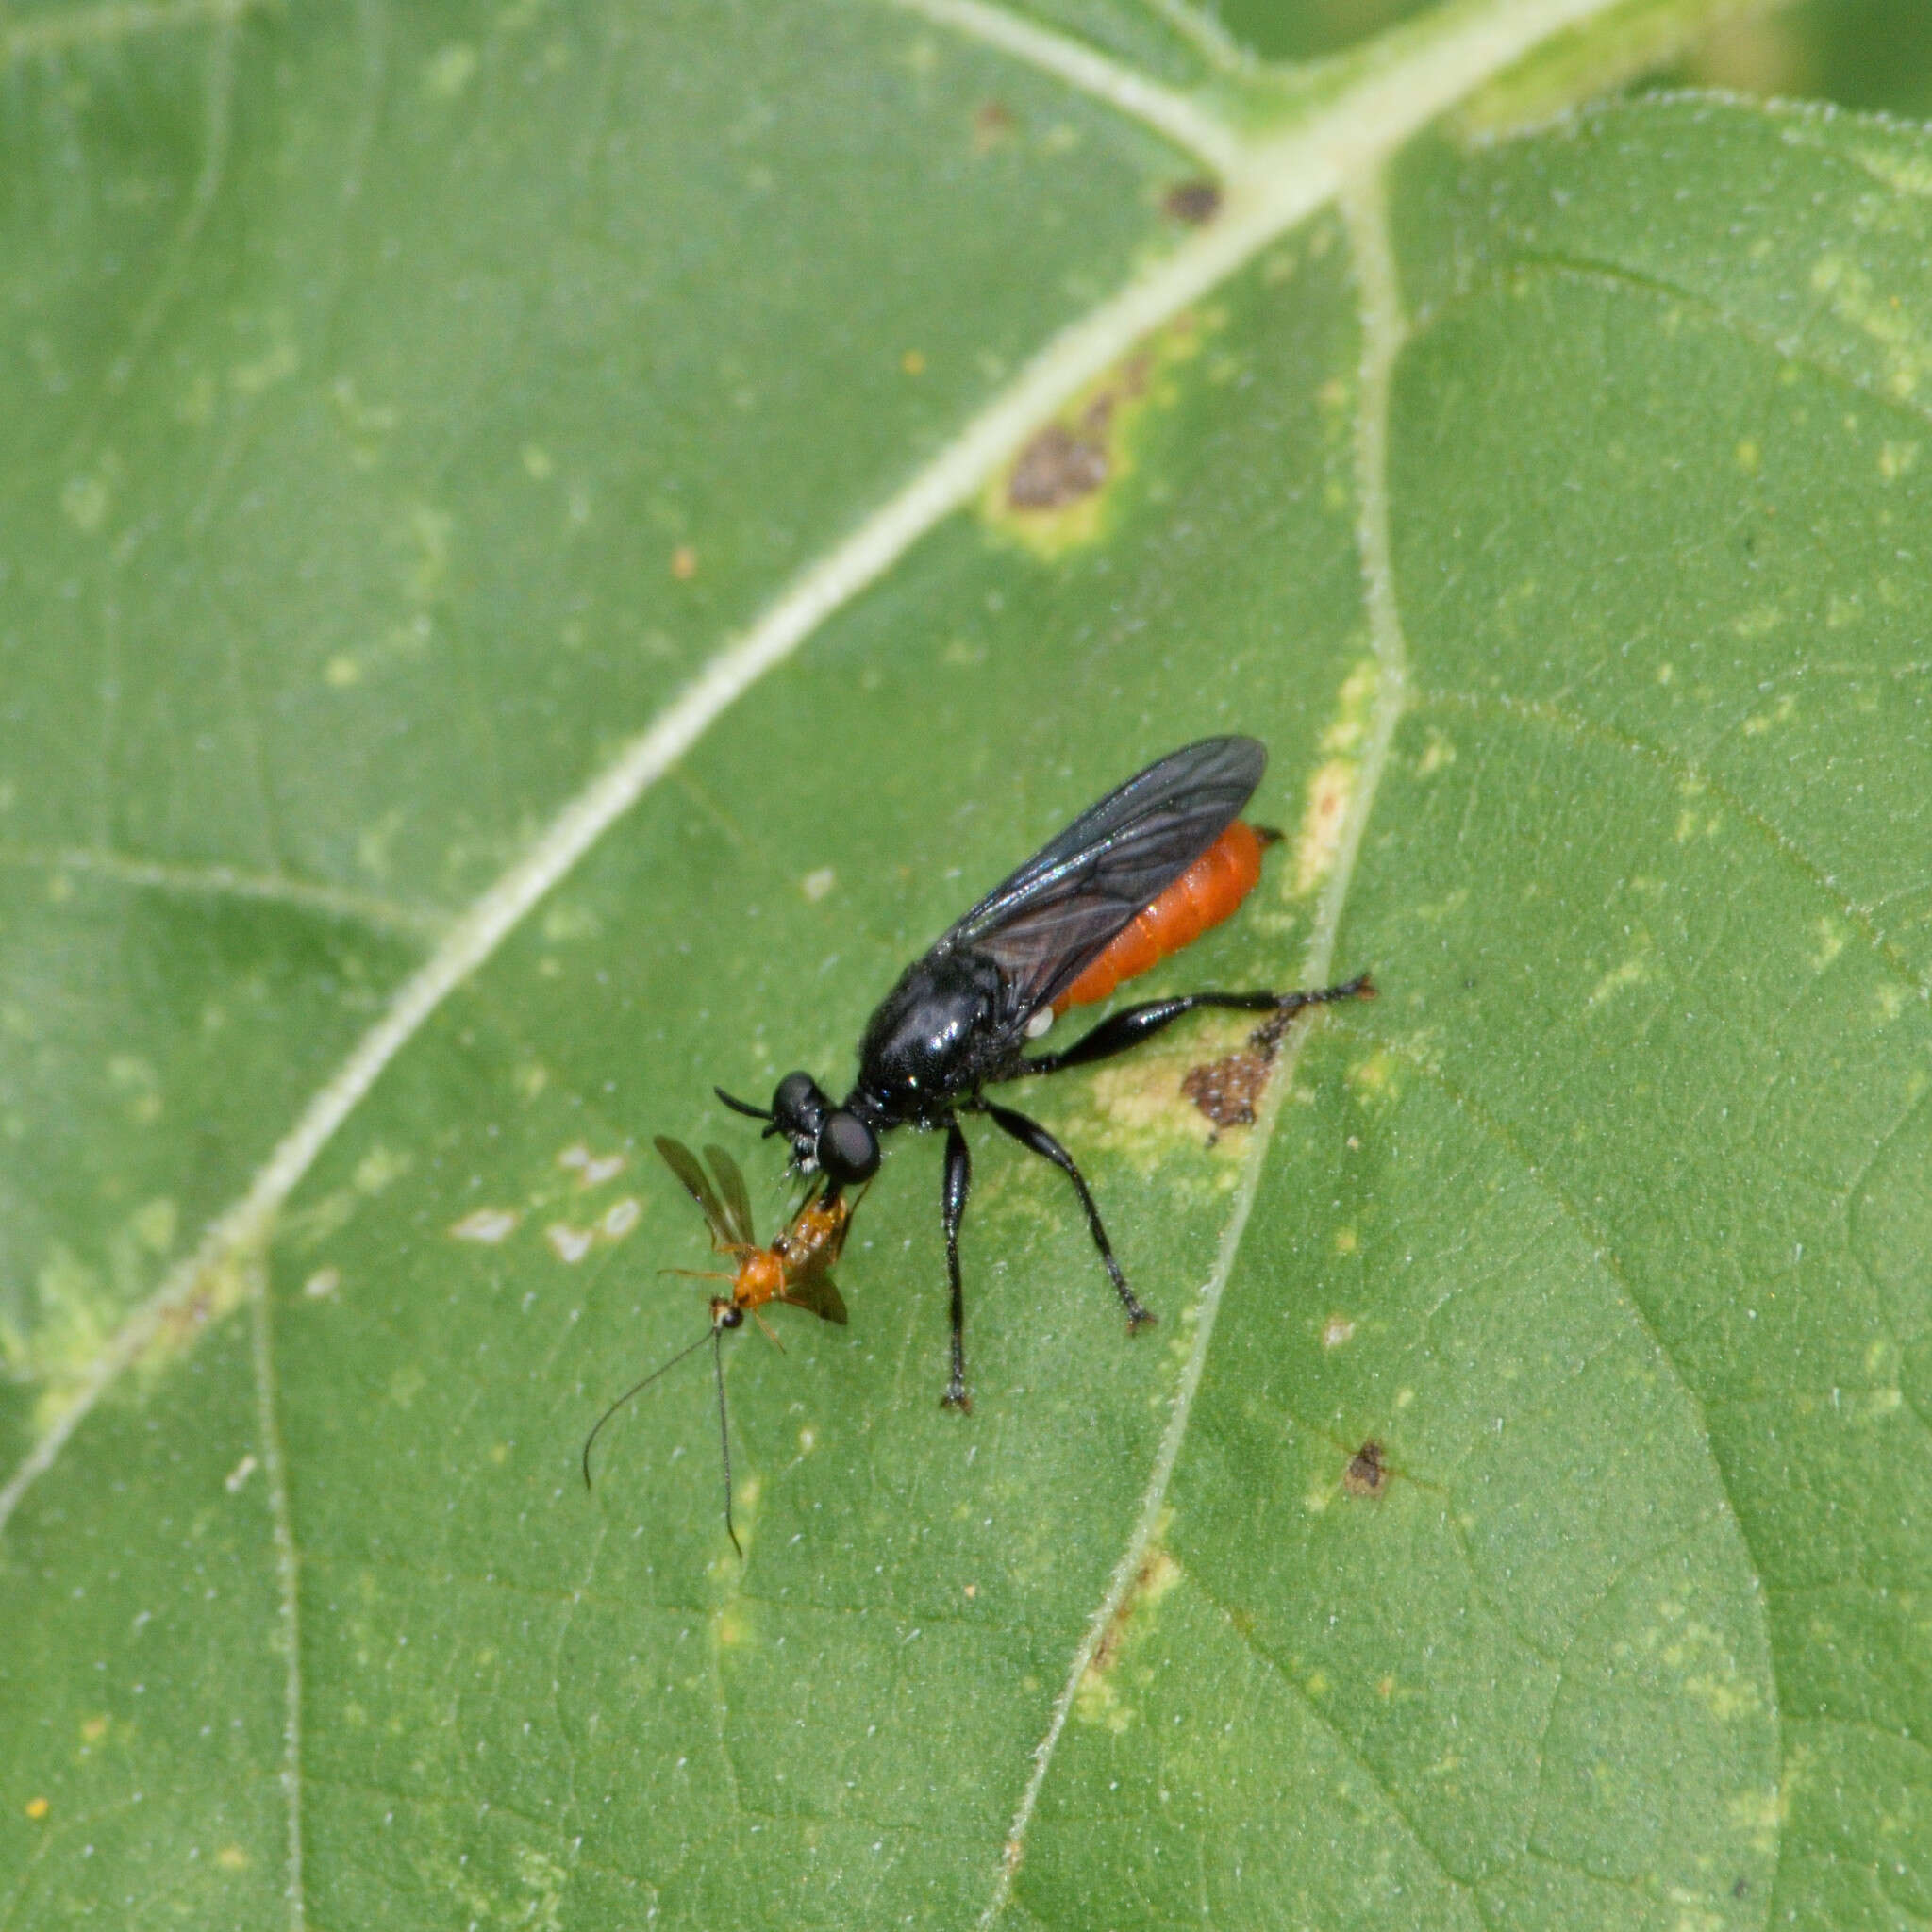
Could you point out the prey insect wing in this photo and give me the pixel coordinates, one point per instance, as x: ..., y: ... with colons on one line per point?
x: 1050, y: 919
x: 697, y: 1184
x: 737, y: 1197
x: 818, y: 1292
x: 813, y: 1243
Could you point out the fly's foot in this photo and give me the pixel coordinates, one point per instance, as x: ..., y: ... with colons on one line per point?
x: 1362, y: 987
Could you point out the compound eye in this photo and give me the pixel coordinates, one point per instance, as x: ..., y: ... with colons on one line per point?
x: 848, y: 1149
x: 797, y: 1103
x: 732, y: 1317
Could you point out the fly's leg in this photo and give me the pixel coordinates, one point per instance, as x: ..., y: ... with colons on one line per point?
x: 1129, y: 1027
x: 953, y: 1193
x: 1035, y: 1137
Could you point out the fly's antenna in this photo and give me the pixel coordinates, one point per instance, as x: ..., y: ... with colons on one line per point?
x: 639, y: 1388
x: 723, y: 1435
x: 743, y: 1107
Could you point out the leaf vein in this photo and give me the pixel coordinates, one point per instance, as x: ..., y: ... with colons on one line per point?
x: 1793, y: 347
x: 288, y: 1591
x: 343, y: 903
x: 1170, y: 113
x: 1383, y: 332
x: 1581, y: 726
x: 1348, y: 1746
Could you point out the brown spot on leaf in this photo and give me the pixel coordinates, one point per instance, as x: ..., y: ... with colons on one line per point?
x: 992, y: 123
x: 1195, y: 203
x: 1056, y: 468
x: 1226, y: 1090
x: 1065, y: 461
x: 1367, y: 1474
x: 1056, y: 493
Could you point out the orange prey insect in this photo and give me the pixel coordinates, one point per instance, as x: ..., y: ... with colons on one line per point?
x: 794, y: 1269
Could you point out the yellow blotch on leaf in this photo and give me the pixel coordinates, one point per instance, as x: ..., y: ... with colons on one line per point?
x: 1319, y: 841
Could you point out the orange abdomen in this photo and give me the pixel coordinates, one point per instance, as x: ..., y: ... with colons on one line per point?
x: 1203, y: 896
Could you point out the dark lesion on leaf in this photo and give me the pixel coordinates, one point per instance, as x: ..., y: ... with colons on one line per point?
x: 1367, y: 1474
x: 1228, y: 1090
x: 1193, y: 203
x: 1059, y: 467
x: 1066, y: 461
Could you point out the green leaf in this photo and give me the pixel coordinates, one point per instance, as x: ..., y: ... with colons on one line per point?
x: 546, y: 555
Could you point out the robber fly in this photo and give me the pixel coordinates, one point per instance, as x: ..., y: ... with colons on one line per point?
x: 1132, y: 879
x: 796, y: 1269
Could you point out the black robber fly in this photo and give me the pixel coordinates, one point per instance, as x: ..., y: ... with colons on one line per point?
x: 1133, y: 879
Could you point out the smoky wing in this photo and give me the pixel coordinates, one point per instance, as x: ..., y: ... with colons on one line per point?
x: 819, y: 1293
x: 1046, y: 922
x: 697, y: 1184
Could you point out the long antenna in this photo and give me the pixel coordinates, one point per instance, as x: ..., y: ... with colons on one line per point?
x: 725, y: 1436
x: 743, y: 1107
x: 639, y: 1388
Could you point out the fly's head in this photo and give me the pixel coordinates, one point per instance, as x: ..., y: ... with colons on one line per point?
x: 832, y: 1141
x: 800, y: 1109
x: 827, y: 1140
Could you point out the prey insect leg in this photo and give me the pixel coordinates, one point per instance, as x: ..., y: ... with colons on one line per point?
x: 1130, y: 1026
x: 1035, y: 1137
x: 956, y: 1185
